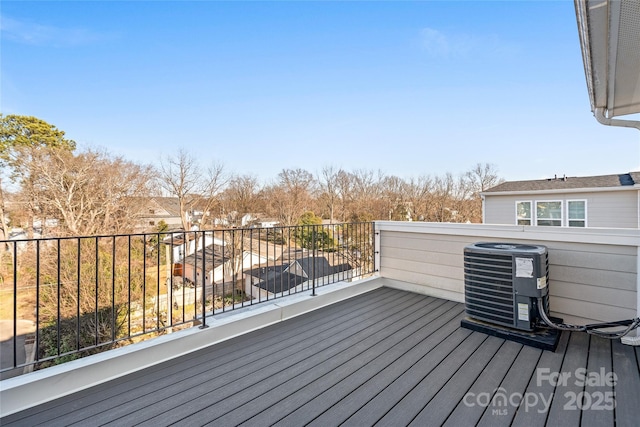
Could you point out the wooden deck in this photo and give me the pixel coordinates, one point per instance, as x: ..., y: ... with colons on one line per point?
x: 387, y: 357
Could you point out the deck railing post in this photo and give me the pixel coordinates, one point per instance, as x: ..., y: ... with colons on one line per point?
x: 313, y: 259
x: 204, y: 282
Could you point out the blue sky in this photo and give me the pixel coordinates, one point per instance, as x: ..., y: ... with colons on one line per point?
x: 410, y: 88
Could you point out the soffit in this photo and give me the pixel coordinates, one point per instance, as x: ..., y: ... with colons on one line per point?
x: 610, y: 40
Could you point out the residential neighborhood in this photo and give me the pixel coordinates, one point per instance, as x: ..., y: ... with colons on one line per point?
x: 340, y: 213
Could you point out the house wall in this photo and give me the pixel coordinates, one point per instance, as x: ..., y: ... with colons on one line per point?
x: 194, y: 274
x: 593, y: 273
x: 619, y: 209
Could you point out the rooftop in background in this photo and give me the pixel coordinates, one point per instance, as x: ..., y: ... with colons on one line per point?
x: 628, y: 180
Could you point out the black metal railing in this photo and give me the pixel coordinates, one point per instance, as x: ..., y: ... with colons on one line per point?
x: 82, y: 295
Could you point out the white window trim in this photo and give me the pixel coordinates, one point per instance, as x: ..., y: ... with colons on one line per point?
x: 562, y: 210
x: 586, y: 212
x: 531, y: 206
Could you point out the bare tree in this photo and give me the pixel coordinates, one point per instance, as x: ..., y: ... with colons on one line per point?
x: 394, y: 194
x: 195, y: 187
x: 179, y: 177
x: 344, y: 188
x: 365, y: 194
x: 89, y: 193
x: 441, y: 209
x: 291, y: 196
x: 329, y: 194
x: 242, y: 195
x: 480, y: 178
x: 4, y: 226
x: 419, y: 193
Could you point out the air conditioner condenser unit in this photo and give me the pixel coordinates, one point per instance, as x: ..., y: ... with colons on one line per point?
x: 504, y: 281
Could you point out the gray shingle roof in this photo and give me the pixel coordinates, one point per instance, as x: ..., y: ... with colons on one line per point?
x: 170, y: 204
x: 566, y: 183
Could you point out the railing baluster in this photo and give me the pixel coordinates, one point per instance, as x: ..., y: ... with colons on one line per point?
x: 224, y: 251
x: 289, y: 254
x: 158, y: 282
x: 78, y: 272
x: 313, y: 258
x: 113, y: 288
x: 204, y: 289
x: 169, y: 259
x: 58, y: 296
x: 129, y: 287
x: 37, y: 297
x: 97, y: 276
x: 144, y: 284
x: 15, y: 304
x: 183, y: 272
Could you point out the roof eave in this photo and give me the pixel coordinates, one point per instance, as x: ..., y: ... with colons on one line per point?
x: 635, y: 187
x: 610, y: 44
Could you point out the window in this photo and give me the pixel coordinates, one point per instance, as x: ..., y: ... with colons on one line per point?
x: 523, y: 213
x: 553, y: 213
x: 577, y: 213
x: 549, y: 214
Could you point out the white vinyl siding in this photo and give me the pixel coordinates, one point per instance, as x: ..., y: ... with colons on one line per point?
x: 593, y: 277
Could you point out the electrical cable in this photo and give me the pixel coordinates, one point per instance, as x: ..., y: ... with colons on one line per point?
x: 591, y: 329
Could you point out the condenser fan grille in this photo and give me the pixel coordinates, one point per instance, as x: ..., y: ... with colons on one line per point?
x: 489, y: 287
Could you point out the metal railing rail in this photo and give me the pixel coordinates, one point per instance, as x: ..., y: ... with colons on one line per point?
x: 92, y: 293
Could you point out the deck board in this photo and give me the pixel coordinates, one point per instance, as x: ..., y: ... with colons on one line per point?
x: 387, y: 357
x: 349, y: 354
x: 347, y: 406
x: 222, y: 383
x: 467, y: 410
x: 627, y: 387
x: 291, y: 362
x: 302, y: 406
x: 560, y: 413
x: 514, y: 384
x: 446, y: 399
x: 596, y: 390
x: 536, y: 415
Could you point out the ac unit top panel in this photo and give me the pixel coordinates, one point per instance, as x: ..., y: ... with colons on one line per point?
x: 506, y: 248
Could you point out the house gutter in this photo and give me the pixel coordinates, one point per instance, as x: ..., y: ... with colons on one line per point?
x: 559, y: 191
x: 603, y: 119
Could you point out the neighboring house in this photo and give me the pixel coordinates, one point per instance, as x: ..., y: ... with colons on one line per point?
x: 257, y: 220
x: 265, y: 223
x: 248, y: 220
x: 21, y: 235
x: 211, y: 260
x: 158, y: 209
x: 220, y: 265
x: 180, y: 248
x: 286, y: 277
x: 591, y: 201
